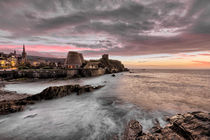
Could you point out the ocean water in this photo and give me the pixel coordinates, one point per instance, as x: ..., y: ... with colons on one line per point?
x: 145, y: 95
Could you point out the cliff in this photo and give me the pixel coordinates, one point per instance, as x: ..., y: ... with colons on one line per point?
x: 189, y: 126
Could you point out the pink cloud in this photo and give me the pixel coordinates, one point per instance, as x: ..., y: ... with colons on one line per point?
x: 202, y: 62
x: 45, y: 49
x: 205, y: 54
x: 180, y: 58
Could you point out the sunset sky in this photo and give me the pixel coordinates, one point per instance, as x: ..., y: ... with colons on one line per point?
x: 140, y: 33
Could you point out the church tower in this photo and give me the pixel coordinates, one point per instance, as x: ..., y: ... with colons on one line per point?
x: 24, y: 55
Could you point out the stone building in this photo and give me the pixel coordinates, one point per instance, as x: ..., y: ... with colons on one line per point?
x: 92, y: 65
x: 74, y: 60
x: 105, y: 56
x: 3, y: 63
x: 24, y: 56
x: 81, y: 57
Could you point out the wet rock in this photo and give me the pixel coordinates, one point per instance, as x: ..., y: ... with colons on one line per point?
x: 53, y: 92
x: 61, y: 91
x: 190, y: 126
x: 126, y: 69
x: 156, y: 128
x: 9, y: 107
x: 133, y: 130
x: 113, y: 75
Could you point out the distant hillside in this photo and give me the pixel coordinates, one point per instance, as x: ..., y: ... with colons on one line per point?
x: 36, y: 58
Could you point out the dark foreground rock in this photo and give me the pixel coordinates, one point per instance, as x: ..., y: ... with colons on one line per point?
x: 190, y: 126
x: 11, y: 106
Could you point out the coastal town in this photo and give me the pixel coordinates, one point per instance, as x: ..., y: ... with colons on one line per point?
x: 13, y: 60
x: 13, y: 66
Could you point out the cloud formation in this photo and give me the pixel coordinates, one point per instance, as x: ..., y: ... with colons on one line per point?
x: 117, y: 27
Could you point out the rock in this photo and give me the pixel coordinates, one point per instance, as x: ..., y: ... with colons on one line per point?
x: 61, y: 91
x: 126, y: 69
x: 133, y: 130
x: 190, y: 126
x: 9, y: 107
x: 54, y: 92
x: 111, y: 66
x: 113, y: 75
x: 156, y: 128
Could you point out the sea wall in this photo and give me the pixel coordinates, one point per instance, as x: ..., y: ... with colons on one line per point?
x: 40, y: 74
x: 72, y: 73
x: 57, y: 73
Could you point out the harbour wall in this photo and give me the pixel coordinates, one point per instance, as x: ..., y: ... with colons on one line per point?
x: 52, y: 73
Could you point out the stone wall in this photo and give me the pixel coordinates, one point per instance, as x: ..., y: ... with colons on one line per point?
x: 8, y: 74
x: 72, y: 73
x: 40, y: 74
x: 44, y: 74
x: 92, y: 72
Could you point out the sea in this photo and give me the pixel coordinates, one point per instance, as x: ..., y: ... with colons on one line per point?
x: 143, y: 95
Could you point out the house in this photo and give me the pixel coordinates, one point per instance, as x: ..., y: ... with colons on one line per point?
x: 92, y: 65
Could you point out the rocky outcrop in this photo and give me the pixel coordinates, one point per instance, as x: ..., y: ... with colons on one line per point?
x: 12, y: 106
x: 190, y: 126
x: 112, y: 66
x: 61, y: 91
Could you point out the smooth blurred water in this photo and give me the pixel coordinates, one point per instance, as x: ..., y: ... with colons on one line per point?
x: 145, y: 95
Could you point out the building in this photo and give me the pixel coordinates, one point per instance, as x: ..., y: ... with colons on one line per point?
x: 92, y: 65
x: 105, y: 56
x: 12, y: 60
x: 74, y: 60
x: 1, y: 54
x: 81, y: 57
x: 2, y: 63
x: 24, y: 56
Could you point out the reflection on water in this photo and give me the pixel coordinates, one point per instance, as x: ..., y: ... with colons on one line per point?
x: 143, y: 95
x: 169, y: 90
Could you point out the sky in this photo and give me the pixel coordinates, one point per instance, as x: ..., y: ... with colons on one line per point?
x: 140, y: 33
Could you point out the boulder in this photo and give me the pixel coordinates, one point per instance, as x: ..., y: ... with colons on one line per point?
x: 133, y: 130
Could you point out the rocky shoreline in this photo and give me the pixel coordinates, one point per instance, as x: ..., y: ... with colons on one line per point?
x: 13, y: 102
x: 189, y: 126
